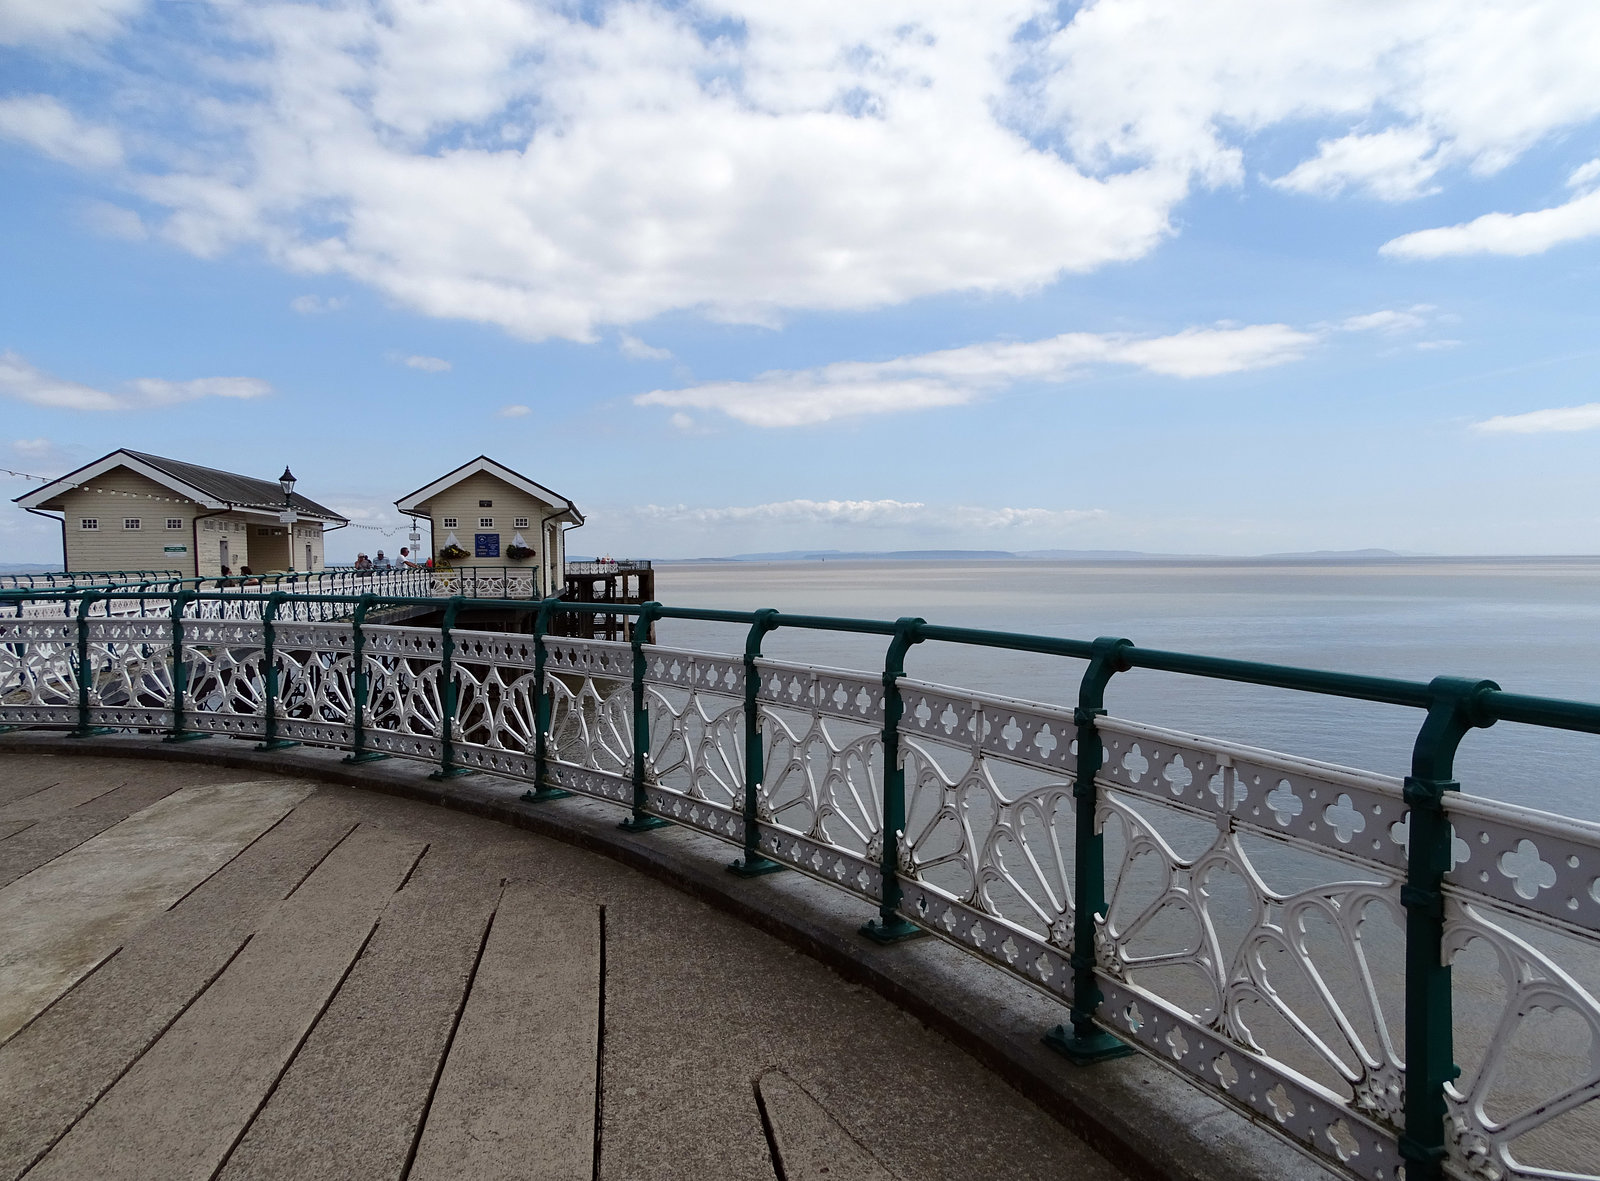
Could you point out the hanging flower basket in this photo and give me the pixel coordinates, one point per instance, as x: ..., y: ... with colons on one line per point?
x: 518, y: 553
x: 453, y: 553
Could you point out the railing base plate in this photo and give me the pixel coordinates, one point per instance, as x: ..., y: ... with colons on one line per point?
x: 643, y: 823
x: 276, y: 744
x: 452, y: 773
x: 754, y: 867
x: 186, y: 736
x: 366, y: 756
x: 893, y: 931
x: 541, y: 794
x: 1084, y: 1051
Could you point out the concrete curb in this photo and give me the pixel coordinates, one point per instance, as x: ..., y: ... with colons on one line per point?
x: 1142, y: 1117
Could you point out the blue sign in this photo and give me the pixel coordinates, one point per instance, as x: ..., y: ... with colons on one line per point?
x: 486, y: 545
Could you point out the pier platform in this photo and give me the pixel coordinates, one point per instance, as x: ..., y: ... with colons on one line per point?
x: 213, y: 972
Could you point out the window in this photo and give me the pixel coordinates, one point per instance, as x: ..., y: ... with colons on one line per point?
x: 485, y: 522
x: 130, y: 522
x: 263, y: 531
x: 174, y: 522
x: 522, y: 523
x: 89, y: 523
x: 485, y: 504
x: 448, y: 523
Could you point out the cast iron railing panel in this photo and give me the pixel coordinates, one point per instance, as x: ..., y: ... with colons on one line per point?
x: 1253, y: 916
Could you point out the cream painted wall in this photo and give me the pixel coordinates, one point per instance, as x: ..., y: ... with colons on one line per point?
x: 121, y: 495
x: 460, y: 501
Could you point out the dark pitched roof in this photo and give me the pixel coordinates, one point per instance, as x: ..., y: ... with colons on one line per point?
x: 243, y: 491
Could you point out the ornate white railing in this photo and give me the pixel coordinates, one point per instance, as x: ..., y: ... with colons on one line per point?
x: 1257, y: 907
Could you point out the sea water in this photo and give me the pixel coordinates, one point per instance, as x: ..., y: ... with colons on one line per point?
x: 1530, y: 624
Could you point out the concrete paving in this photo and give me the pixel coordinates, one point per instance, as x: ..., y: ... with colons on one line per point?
x: 369, y: 987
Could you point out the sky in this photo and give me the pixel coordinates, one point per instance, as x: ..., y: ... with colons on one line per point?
x: 1233, y: 278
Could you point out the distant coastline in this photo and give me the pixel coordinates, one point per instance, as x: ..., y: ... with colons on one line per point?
x: 1376, y: 556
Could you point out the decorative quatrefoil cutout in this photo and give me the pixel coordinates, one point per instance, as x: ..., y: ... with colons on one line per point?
x: 1282, y: 1106
x: 1045, y: 742
x: 1530, y: 872
x: 1284, y: 803
x: 1012, y: 734
x: 1177, y: 775
x: 1343, y: 818
x: 1135, y: 764
x: 949, y: 719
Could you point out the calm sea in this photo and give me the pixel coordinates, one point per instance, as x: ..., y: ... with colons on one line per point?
x: 1531, y: 624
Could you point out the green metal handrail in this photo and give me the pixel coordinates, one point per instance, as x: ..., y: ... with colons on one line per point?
x: 1453, y: 707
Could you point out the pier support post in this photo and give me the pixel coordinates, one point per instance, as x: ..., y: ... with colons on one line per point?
x: 180, y: 673
x: 449, y: 693
x: 269, y: 673
x: 641, y: 821
x: 542, y: 709
x: 85, y: 670
x: 1086, y: 1042
x: 363, y: 691
x: 753, y: 864
x: 1456, y: 708
x: 891, y: 926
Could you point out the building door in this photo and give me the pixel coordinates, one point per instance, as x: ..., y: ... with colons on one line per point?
x: 222, y: 547
x: 308, y: 557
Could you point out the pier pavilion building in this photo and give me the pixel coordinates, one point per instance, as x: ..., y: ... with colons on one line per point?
x: 485, y: 514
x: 130, y: 510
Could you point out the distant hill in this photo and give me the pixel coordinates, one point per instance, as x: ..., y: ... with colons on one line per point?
x: 1032, y: 555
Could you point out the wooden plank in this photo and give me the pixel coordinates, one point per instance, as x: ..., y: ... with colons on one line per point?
x: 810, y: 1143
x: 81, y: 783
x: 56, y: 1068
x: 349, y: 1105
x: 516, y: 1099
x: 183, y: 1106
x: 62, y: 919
x: 44, y: 840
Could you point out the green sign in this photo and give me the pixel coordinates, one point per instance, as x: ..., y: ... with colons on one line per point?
x: 174, y: 549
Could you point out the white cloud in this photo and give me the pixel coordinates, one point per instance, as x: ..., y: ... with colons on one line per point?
x: 954, y: 377
x: 1394, y: 165
x: 316, y: 305
x: 636, y: 349
x: 1390, y: 321
x: 877, y: 514
x: 44, y: 455
x: 1537, y: 422
x: 513, y: 412
x: 427, y: 364
x: 113, y: 221
x: 166, y: 393
x: 555, y: 170
x: 43, y: 124
x: 24, y: 21
x: 27, y: 383
x: 1506, y: 233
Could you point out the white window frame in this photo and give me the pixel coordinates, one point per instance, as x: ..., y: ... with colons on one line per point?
x: 174, y: 522
x: 521, y: 523
x: 132, y: 523
x: 448, y: 523
x: 485, y: 522
x: 89, y: 523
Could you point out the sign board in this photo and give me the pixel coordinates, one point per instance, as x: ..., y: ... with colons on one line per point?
x: 486, y: 545
x: 174, y: 549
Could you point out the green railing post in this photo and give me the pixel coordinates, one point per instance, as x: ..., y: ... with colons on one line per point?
x: 180, y: 672
x: 269, y: 671
x: 891, y: 926
x: 85, y: 671
x: 753, y: 864
x: 1457, y: 706
x: 542, y: 708
x: 358, y: 655
x: 1086, y: 1042
x: 641, y: 821
x: 448, y: 696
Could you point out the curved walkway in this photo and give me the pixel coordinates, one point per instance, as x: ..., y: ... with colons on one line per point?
x: 227, y: 973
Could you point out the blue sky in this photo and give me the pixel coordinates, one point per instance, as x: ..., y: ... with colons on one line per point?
x: 1241, y: 277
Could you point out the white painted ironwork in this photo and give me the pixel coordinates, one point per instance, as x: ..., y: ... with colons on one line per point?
x: 1254, y: 934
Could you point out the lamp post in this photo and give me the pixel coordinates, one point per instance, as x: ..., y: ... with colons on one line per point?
x: 288, y: 516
